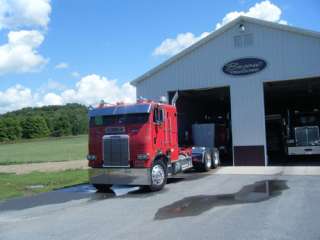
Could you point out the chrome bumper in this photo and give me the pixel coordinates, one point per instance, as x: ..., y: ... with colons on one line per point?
x: 308, y: 150
x: 123, y: 176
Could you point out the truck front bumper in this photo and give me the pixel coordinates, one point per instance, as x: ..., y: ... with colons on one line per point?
x: 121, y: 176
x: 308, y: 150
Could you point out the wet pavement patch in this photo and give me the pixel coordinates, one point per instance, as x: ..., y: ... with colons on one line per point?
x: 90, y: 194
x: 41, y: 199
x: 81, y: 188
x: 63, y: 195
x: 196, y: 205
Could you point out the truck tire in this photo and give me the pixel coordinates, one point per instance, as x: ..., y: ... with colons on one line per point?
x: 207, y: 162
x: 158, y: 175
x: 215, y: 159
x: 103, y: 187
x: 206, y: 165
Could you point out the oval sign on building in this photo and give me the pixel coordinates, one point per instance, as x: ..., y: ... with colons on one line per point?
x: 244, y: 66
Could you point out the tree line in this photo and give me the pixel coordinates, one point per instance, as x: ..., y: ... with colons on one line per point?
x: 48, y: 121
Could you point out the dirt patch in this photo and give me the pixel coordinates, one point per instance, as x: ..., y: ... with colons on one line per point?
x: 44, y: 167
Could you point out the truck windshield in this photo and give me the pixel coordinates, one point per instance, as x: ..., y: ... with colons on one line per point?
x: 119, y: 119
x: 305, y: 119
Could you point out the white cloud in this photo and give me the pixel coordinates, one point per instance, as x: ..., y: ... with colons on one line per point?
x: 264, y: 10
x: 15, y: 97
x: 24, y: 13
x: 51, y: 99
x: 284, y: 22
x: 20, y: 53
x: 54, y: 85
x: 90, y: 90
x: 51, y: 85
x: 172, y: 46
x: 75, y: 74
x: 93, y: 88
x: 62, y: 65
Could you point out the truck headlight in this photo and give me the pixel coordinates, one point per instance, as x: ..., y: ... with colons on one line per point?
x: 143, y: 156
x: 91, y: 157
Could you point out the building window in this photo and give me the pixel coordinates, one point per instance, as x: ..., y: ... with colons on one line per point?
x: 242, y: 41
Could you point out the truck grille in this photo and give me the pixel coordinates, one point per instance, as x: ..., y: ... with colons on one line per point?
x: 116, y: 151
x: 307, y: 136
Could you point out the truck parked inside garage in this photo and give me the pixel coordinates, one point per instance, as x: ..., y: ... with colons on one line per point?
x: 294, y: 133
x: 137, y: 144
x: 303, y: 133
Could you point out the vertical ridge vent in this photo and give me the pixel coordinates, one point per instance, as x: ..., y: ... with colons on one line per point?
x: 242, y: 41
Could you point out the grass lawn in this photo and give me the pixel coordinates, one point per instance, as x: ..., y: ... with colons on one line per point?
x: 12, y: 185
x: 44, y: 150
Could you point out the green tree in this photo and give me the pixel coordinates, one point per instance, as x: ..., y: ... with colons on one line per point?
x: 60, y: 121
x: 10, y: 128
x: 3, y: 131
x: 34, y: 127
x: 62, y: 126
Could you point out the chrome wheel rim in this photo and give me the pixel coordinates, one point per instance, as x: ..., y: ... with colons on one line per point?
x: 208, y: 161
x: 157, y: 175
x: 216, y: 160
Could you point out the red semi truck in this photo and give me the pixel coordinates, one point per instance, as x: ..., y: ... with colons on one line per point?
x: 137, y: 144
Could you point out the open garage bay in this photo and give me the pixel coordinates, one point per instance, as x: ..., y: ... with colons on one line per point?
x: 290, y: 106
x: 206, y: 106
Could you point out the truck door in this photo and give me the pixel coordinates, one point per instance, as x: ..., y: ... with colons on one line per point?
x: 158, y: 121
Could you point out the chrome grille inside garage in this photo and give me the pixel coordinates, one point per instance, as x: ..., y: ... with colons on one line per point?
x: 116, y: 151
x: 307, y: 136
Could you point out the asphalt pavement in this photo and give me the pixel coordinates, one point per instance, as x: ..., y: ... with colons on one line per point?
x: 194, y: 206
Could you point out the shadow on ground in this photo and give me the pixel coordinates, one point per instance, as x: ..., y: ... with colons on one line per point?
x: 196, y: 205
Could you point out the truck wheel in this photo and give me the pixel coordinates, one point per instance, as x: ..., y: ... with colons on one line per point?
x: 103, y: 187
x: 159, y: 175
x: 207, y: 162
x: 215, y: 159
x: 205, y: 165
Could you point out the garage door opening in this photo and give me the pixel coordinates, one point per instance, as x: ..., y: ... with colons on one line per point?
x: 292, y: 122
x: 206, y: 106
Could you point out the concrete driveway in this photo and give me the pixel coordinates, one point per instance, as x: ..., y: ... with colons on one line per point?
x: 202, y: 206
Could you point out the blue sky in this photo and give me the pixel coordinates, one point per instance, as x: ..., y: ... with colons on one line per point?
x: 98, y: 41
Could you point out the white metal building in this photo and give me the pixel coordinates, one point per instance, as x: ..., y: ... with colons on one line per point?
x: 250, y: 66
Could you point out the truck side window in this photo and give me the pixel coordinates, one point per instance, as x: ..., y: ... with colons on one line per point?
x: 161, y: 115
x: 155, y: 115
x: 158, y: 115
x: 98, y: 120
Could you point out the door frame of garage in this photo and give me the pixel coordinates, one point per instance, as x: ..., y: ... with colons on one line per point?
x: 170, y: 94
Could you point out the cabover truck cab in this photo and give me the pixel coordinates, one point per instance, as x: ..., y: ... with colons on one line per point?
x: 137, y: 144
